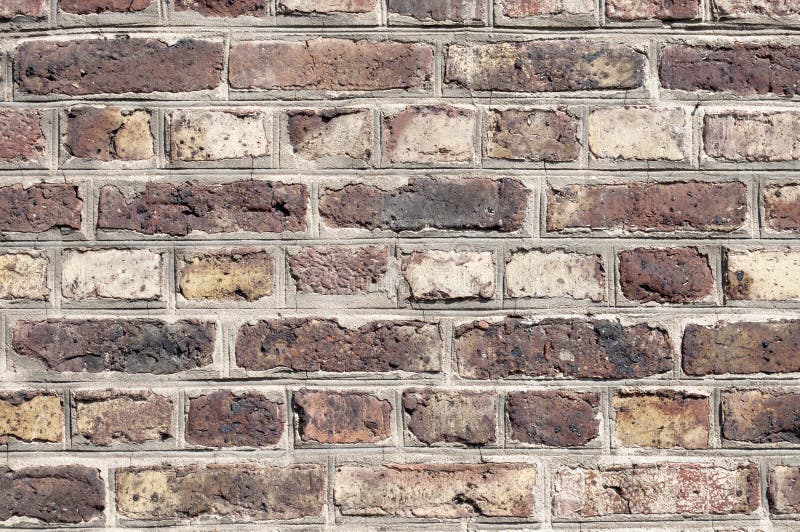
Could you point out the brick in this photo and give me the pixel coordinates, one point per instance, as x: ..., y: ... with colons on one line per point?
x: 31, y: 417
x: 531, y: 135
x: 553, y: 418
x: 453, y: 11
x: 774, y: 9
x: 600, y: 349
x: 244, y: 274
x: 638, y: 134
x: 741, y: 348
x: 232, y: 419
x: 108, y: 417
x: 108, y: 134
x: 784, y: 490
x: 544, y: 66
x: 219, y: 135
x: 219, y: 8
x: 667, y: 10
x: 341, y: 417
x: 782, y: 208
x: 762, y: 275
x: 656, y: 489
x: 752, y: 137
x: 741, y: 69
x: 439, y: 416
x: 435, y: 275
x: 445, y: 491
x: 40, y: 207
x: 12, y: 9
x: 70, y: 494
x: 116, y: 274
x: 181, y: 209
x: 516, y: 9
x: 21, y: 136
x: 668, y: 207
x: 663, y: 419
x: 430, y: 135
x: 23, y: 276
x: 245, y: 492
x: 325, y: 64
x: 673, y: 275
x: 124, y: 345
x: 338, y: 270
x: 330, y: 135
x: 87, y: 7
x: 557, y: 274
x: 761, y: 416
x: 328, y: 7
x: 117, y: 66
x: 324, y: 345
x: 477, y: 204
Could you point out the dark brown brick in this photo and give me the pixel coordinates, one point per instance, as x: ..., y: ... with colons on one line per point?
x: 86, y: 7
x: 554, y: 418
x: 227, y: 419
x: 342, y: 417
x: 439, y: 10
x: 338, y: 270
x: 761, y: 416
x: 39, y: 208
x: 782, y: 208
x: 668, y: 10
x: 96, y: 66
x: 580, y: 349
x: 674, y: 275
x: 109, y: 134
x: 11, y: 9
x: 53, y: 495
x: 325, y: 345
x: 742, y: 69
x: 109, y: 417
x: 330, y: 65
x: 439, y: 416
x: 742, y: 347
x: 21, y: 135
x: 125, y: 345
x: 532, y: 135
x: 179, y: 209
x: 468, y: 204
x: 689, y: 206
x: 784, y: 490
x: 225, y: 8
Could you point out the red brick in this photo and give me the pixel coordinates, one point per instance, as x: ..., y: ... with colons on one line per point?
x: 341, y: 417
x: 40, y: 207
x: 21, y: 136
x: 86, y: 7
x: 109, y: 134
x: 554, y: 418
x: 673, y: 275
x: 231, y: 419
x: 11, y: 9
x: 338, y: 270
x: 225, y: 8
x: 439, y: 416
x: 545, y: 9
x: 667, y: 10
x: 775, y: 10
x: 112, y: 418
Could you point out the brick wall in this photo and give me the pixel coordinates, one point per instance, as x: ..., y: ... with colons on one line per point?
x: 400, y: 265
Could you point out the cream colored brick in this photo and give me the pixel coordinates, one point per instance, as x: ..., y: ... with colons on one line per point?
x: 133, y: 274
x: 764, y: 275
x: 541, y: 274
x: 639, y: 134
x: 31, y: 417
x: 435, y: 134
x: 23, y: 276
x: 217, y: 135
x: 441, y: 275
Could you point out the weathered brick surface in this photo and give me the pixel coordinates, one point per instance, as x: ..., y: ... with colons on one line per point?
x: 23, y: 275
x: 531, y: 135
x: 232, y: 419
x: 668, y: 10
x: 438, y: 275
x: 454, y: 11
x: 761, y: 416
x: 40, y: 207
x: 121, y: 274
x: 553, y: 418
x: 216, y: 8
x: 87, y: 7
x: 108, y: 134
x: 543, y: 274
x: 338, y: 271
x: 226, y: 275
x: 762, y: 275
x: 638, y: 134
x: 315, y: 7
x: 783, y: 492
x: 673, y: 275
x: 341, y: 417
x: 12, y: 9
x: 434, y: 416
x: 218, y: 135
x: 662, y: 419
x: 781, y: 209
x: 21, y: 135
x: 429, y: 135
x: 752, y: 137
x: 520, y: 9
x: 769, y: 9
x: 31, y: 417
x: 323, y: 137
x: 108, y: 418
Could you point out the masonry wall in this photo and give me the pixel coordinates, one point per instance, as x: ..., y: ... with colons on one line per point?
x: 400, y: 265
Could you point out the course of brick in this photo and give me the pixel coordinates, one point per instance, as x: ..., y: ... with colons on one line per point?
x: 424, y: 265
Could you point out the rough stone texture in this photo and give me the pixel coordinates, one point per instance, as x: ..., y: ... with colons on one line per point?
x: 96, y: 66
x: 627, y: 10
x: 663, y: 419
x: 655, y: 489
x: 21, y: 135
x: 444, y: 491
x: 553, y: 418
x: 776, y: 9
x: 338, y: 270
x: 741, y: 348
x: 241, y: 492
x: 460, y: 11
x: 544, y: 66
x: 341, y: 417
x: 741, y: 69
x: 108, y: 418
x: 783, y: 491
x: 225, y: 8
x: 782, y: 208
x: 638, y: 134
x: 752, y: 137
x: 234, y: 419
x: 325, y: 345
x: 86, y: 7
x: 226, y: 275
x: 315, y: 7
x: 108, y: 134
x: 326, y: 64
x: 600, y: 349
x: 682, y: 206
x: 181, y: 209
x: 70, y: 494
x: 543, y: 274
x: 673, y: 275
x: 125, y: 345
x: 516, y: 9
x: 531, y: 135
x: 31, y: 417
x: 447, y: 204
x: 430, y: 135
x: 23, y: 276
x: 120, y: 274
x: 11, y: 9
x: 762, y: 275
x: 40, y: 207
x: 331, y: 133
x: 217, y: 135
x: 449, y: 275
x: 761, y: 416
x: 437, y: 416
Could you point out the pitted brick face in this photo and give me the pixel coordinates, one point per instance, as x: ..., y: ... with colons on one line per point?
x: 662, y: 419
x: 12, y: 9
x: 781, y: 208
x: 31, y: 417
x: 338, y: 271
x: 627, y: 10
x: 778, y: 418
x: 227, y: 8
x: 532, y: 135
x: 21, y: 135
x: 40, y: 207
x: 326, y: 417
x: 109, y: 418
x: 675, y: 275
x: 232, y: 419
x: 88, y: 7
x: 461, y: 417
x: 553, y: 418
